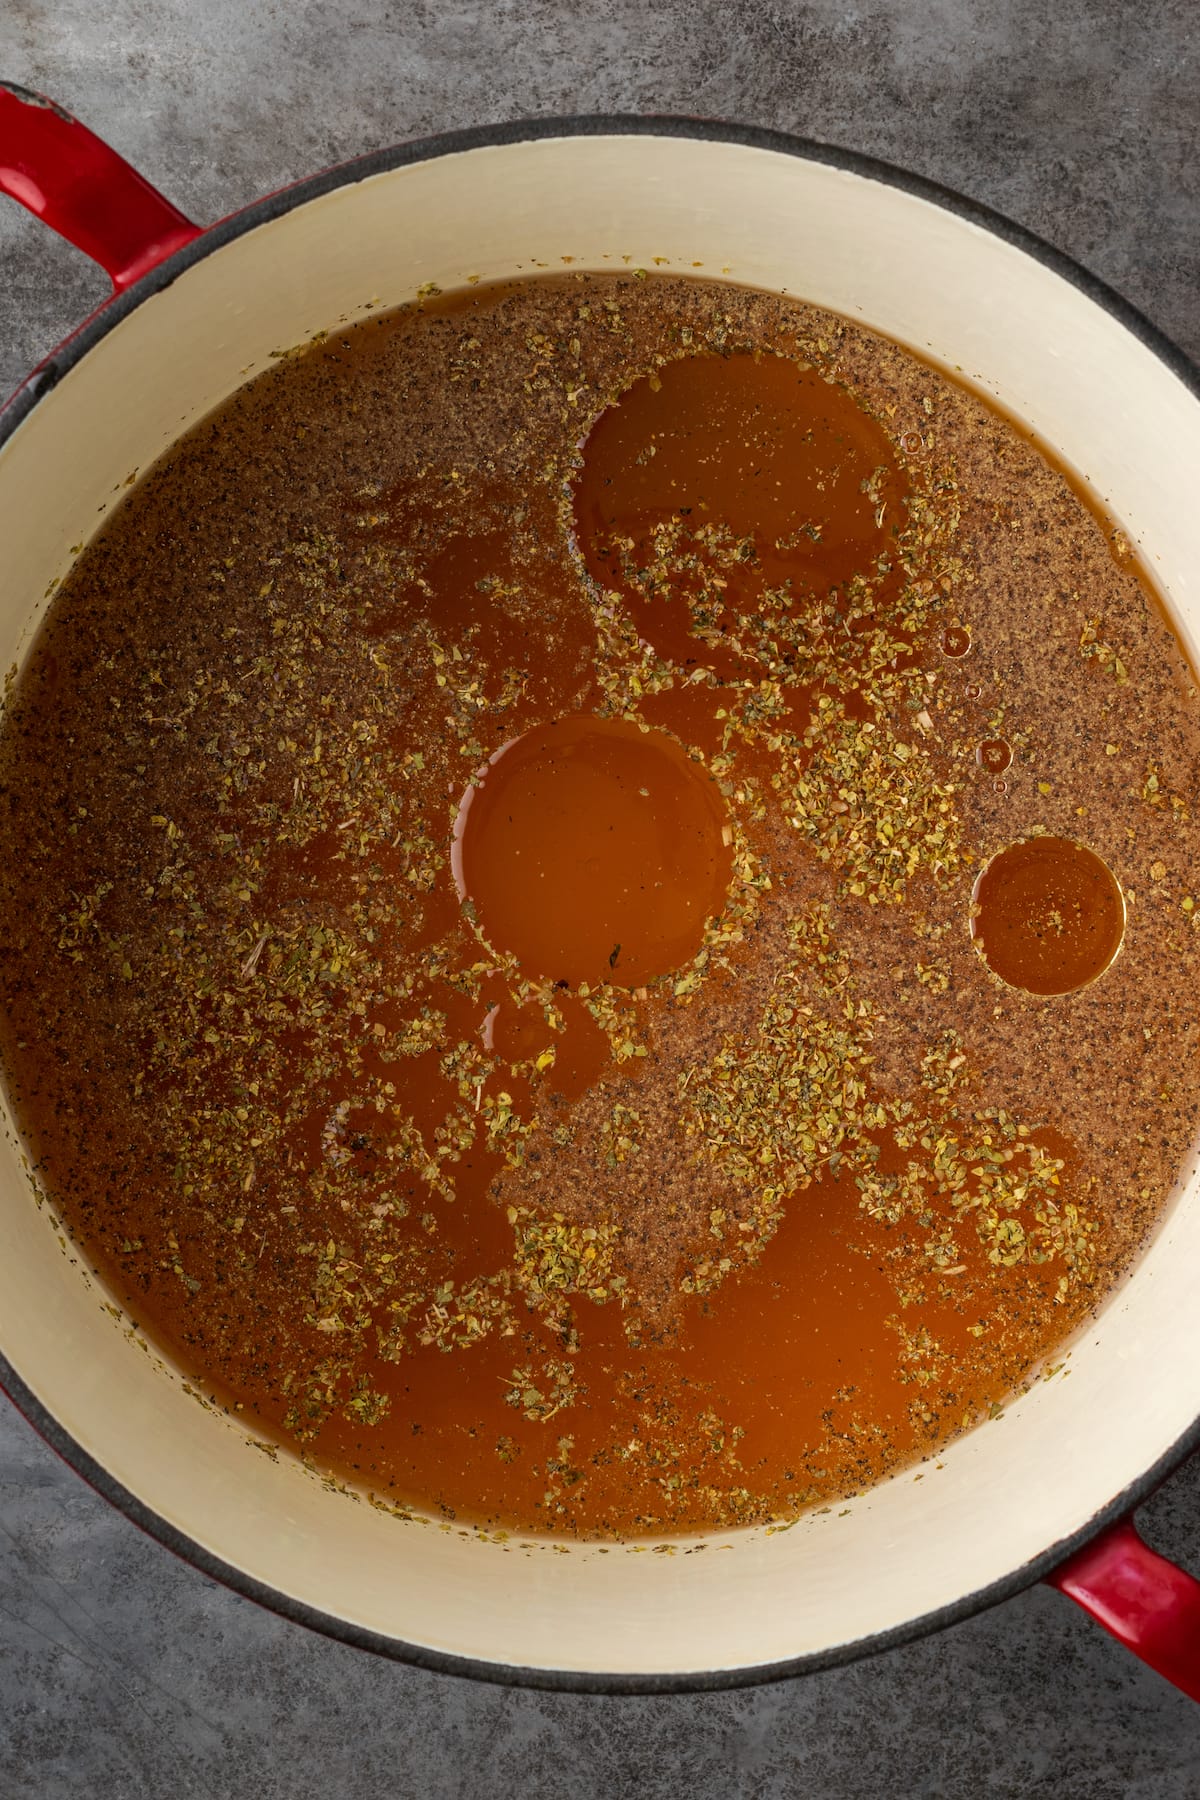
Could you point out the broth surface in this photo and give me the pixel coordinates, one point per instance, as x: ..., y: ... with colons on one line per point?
x: 495, y: 960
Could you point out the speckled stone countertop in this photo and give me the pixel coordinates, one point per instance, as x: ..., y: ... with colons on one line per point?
x: 124, y: 1673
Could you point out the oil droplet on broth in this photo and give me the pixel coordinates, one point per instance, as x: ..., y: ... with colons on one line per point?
x: 1048, y: 915
x: 593, y: 851
x: 756, y: 470
x: 994, y: 755
x: 956, y: 641
x: 519, y: 1033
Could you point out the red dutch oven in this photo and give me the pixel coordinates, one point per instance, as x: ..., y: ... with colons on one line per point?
x: 1047, y: 1493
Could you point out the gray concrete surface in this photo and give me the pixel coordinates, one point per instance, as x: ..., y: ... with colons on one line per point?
x: 125, y: 1674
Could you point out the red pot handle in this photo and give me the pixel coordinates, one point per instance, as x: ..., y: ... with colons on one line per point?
x: 1147, y: 1603
x: 70, y: 178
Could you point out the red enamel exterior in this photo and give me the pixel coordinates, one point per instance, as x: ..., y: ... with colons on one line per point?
x: 86, y: 192
x: 1149, y: 1604
x: 69, y: 177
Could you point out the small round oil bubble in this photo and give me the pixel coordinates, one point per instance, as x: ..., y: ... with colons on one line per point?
x: 994, y: 755
x: 972, y: 690
x: 1047, y: 915
x: 956, y: 641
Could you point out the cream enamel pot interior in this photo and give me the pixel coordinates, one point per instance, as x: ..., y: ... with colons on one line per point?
x: 1009, y: 1500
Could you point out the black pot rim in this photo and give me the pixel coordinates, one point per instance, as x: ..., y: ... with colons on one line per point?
x: 47, y: 376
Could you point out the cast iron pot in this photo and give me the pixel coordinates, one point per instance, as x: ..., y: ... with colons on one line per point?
x: 1046, y: 1492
